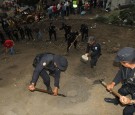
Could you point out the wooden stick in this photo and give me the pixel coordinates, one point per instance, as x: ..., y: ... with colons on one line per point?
x: 45, y: 91
x: 74, y: 41
x: 112, y: 91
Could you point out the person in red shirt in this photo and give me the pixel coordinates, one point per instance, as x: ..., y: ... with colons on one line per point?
x: 54, y: 10
x: 9, y: 46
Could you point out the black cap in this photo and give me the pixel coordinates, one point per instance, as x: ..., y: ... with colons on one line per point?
x: 125, y: 54
x: 61, y: 62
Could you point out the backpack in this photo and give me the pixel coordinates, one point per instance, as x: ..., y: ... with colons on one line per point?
x: 37, y: 59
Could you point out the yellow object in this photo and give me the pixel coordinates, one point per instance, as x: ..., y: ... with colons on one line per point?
x: 74, y: 3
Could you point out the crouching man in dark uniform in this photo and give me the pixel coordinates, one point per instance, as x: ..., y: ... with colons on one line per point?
x: 52, y: 63
x: 126, y: 75
x: 72, y: 40
x: 94, y: 50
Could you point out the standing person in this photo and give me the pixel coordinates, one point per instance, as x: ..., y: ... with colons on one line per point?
x: 54, y: 11
x: 67, y: 4
x: 94, y: 50
x: 49, y: 10
x: 9, y: 46
x: 4, y: 24
x: 67, y: 30
x: 15, y: 34
x: 126, y: 75
x: 28, y: 32
x: 72, y: 39
x: 54, y: 64
x: 52, y: 31
x: 84, y: 31
x: 63, y: 10
x: 22, y: 33
x: 38, y: 34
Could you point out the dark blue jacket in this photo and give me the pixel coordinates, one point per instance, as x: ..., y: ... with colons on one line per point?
x: 48, y: 59
x: 126, y: 76
x: 95, y: 49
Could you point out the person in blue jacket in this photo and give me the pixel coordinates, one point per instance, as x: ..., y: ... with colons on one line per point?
x: 126, y: 76
x: 48, y: 64
x: 93, y: 50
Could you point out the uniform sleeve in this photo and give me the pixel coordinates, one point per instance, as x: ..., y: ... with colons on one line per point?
x: 45, y: 60
x: 118, y: 77
x: 57, y: 78
x: 36, y: 72
x: 87, y: 48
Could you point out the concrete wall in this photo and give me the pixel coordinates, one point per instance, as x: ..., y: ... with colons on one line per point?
x: 115, y: 3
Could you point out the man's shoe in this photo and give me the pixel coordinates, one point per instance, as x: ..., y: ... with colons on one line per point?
x: 49, y: 90
x: 110, y: 100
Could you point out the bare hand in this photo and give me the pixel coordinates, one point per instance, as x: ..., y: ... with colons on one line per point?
x: 110, y: 86
x: 55, y: 91
x: 124, y: 100
x: 31, y: 87
x: 87, y: 54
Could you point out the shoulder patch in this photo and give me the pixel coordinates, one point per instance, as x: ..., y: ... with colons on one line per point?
x: 44, y: 64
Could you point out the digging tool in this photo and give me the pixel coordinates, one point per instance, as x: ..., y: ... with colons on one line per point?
x: 74, y: 41
x: 112, y: 91
x: 67, y: 53
x: 45, y: 91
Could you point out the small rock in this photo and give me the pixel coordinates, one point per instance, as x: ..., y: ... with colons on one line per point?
x: 109, y: 41
x: 103, y: 43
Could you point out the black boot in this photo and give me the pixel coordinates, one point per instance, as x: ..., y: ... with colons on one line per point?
x: 115, y: 101
x: 49, y: 90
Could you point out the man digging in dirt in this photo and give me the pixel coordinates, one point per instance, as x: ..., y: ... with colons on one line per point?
x: 52, y: 63
x: 94, y: 50
x: 126, y: 75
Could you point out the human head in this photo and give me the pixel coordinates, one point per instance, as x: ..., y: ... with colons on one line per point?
x: 91, y: 40
x: 126, y: 56
x: 61, y: 62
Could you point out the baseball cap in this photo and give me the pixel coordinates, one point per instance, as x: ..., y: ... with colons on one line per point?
x: 61, y: 62
x: 125, y: 54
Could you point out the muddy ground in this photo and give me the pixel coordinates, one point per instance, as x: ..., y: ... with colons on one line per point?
x: 84, y: 95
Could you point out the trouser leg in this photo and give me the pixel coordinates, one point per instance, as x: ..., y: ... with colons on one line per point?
x: 55, y: 36
x: 129, y: 110
x: 66, y: 36
x: 82, y: 36
x: 68, y: 45
x: 75, y: 44
x: 93, y: 61
x: 45, y: 77
x: 50, y: 35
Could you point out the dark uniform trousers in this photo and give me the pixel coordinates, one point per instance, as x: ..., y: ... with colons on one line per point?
x: 84, y: 36
x: 52, y: 33
x: 126, y: 90
x: 72, y: 40
x: 95, y: 51
x: 46, y: 78
x: 70, y: 43
x: 93, y: 61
